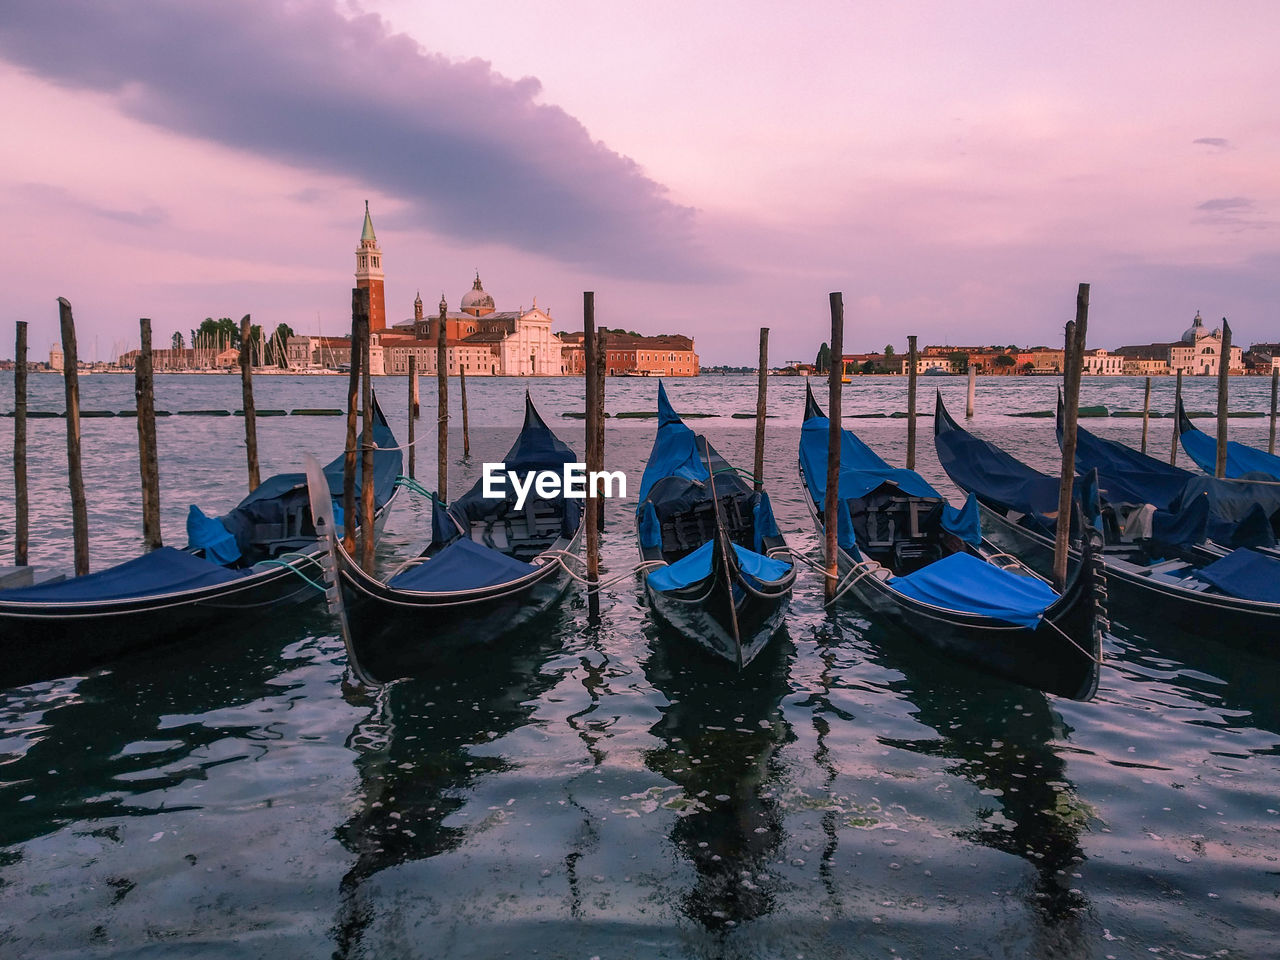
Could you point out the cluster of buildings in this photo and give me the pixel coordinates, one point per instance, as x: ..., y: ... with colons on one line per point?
x: 480, y: 340
x: 1198, y: 352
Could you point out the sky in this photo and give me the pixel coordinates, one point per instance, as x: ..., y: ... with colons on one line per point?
x: 955, y: 170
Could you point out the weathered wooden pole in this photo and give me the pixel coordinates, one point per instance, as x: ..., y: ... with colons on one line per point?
x: 911, y: 402
x: 367, y: 537
x: 602, y: 361
x: 359, y: 323
x: 1076, y: 333
x: 148, y: 458
x: 413, y: 409
x: 1275, y: 381
x: 829, y: 519
x: 250, y: 412
x: 22, y: 517
x: 442, y: 408
x: 591, y: 514
x: 973, y: 381
x: 75, y: 478
x: 1224, y: 371
x: 1177, y: 400
x: 762, y: 393
x: 466, y: 422
x: 1146, y: 413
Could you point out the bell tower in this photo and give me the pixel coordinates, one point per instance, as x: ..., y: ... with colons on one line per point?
x: 369, y: 273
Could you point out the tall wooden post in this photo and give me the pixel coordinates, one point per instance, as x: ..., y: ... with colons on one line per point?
x: 367, y: 537
x: 148, y: 458
x: 1177, y: 400
x: 413, y: 409
x: 911, y: 402
x: 591, y: 513
x: 250, y: 413
x: 602, y: 360
x: 762, y: 391
x: 1275, y: 381
x: 359, y: 325
x: 466, y: 423
x: 973, y: 381
x: 829, y: 518
x: 75, y: 477
x: 22, y: 517
x: 1146, y: 413
x: 442, y: 408
x: 1224, y: 371
x: 1075, y: 344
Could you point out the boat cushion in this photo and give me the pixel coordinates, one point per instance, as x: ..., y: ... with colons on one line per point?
x: 462, y: 565
x: 159, y: 572
x: 1246, y: 574
x: 695, y: 566
x: 966, y: 583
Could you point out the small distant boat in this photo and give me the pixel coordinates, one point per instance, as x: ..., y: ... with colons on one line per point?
x: 720, y: 572
x: 257, y: 558
x: 1243, y: 462
x: 923, y: 566
x: 1160, y: 567
x: 488, y: 570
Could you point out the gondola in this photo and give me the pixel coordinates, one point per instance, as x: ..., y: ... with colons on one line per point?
x: 922, y: 565
x: 1161, y: 570
x: 489, y: 569
x: 717, y: 570
x: 260, y: 556
x: 1243, y: 462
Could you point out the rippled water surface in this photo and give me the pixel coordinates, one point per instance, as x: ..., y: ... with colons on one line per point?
x: 590, y: 791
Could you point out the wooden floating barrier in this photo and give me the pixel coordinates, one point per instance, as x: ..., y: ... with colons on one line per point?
x: 262, y: 413
x: 204, y: 413
x: 97, y: 413
x: 315, y: 412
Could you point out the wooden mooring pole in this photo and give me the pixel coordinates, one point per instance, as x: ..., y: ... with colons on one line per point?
x: 359, y: 323
x: 367, y: 535
x: 1074, y: 355
x: 466, y: 423
x: 973, y: 382
x: 591, y: 512
x: 911, y: 402
x: 413, y: 409
x: 75, y: 476
x: 602, y: 360
x: 250, y: 413
x: 442, y: 407
x: 1146, y: 413
x: 148, y: 458
x: 829, y: 519
x: 762, y: 393
x: 22, y: 517
x: 1275, y: 381
x: 1177, y: 400
x: 1224, y: 371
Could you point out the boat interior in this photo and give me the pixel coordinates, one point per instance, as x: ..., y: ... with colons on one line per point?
x: 901, y: 532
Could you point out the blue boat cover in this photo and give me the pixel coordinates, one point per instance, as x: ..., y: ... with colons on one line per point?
x: 675, y: 450
x: 696, y: 566
x: 1246, y: 574
x: 207, y: 534
x: 162, y: 571
x: 462, y: 565
x: 1242, y: 460
x: 967, y: 583
x: 862, y: 471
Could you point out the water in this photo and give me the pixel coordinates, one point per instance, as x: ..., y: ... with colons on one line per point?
x: 599, y: 792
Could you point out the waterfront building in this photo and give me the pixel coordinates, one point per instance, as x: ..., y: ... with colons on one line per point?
x: 1199, y: 351
x: 1045, y: 360
x: 634, y: 355
x: 1102, y: 363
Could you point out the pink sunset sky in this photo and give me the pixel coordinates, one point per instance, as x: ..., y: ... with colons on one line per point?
x: 956, y: 169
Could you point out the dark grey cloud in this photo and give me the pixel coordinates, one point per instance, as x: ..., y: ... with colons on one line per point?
x: 1236, y: 213
x: 1226, y: 203
x: 301, y: 83
x: 1220, y: 142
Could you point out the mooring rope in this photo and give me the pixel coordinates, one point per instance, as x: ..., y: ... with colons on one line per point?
x: 276, y: 562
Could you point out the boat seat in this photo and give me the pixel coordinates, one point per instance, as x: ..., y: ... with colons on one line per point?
x: 1188, y: 583
x: 1168, y: 566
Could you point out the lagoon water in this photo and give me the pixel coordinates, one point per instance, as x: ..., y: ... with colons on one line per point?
x: 590, y: 792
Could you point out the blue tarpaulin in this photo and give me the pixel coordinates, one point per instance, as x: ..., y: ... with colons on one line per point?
x: 675, y: 450
x: 207, y: 534
x: 696, y: 566
x: 463, y: 565
x: 965, y: 582
x: 1241, y: 459
x: 1246, y: 574
x: 157, y: 573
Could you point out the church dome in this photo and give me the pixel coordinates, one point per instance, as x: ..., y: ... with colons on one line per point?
x: 476, y: 298
x: 1195, y: 331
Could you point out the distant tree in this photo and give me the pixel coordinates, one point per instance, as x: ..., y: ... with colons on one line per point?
x: 823, y: 363
x: 177, y: 342
x: 1004, y: 360
x: 1028, y: 367
x: 888, y: 349
x: 959, y: 361
x: 278, y: 345
x: 868, y: 366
